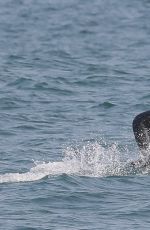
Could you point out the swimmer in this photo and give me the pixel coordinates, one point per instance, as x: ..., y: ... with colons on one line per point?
x: 141, y: 129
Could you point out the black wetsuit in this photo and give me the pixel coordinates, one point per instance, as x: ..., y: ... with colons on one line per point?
x: 141, y: 129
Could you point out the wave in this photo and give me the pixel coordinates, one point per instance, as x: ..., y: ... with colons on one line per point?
x: 90, y: 159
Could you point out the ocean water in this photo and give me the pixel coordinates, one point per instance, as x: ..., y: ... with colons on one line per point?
x: 73, y: 75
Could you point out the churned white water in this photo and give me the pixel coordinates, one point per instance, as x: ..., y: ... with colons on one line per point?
x: 90, y: 159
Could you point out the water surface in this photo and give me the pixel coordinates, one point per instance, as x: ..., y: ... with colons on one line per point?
x: 73, y: 74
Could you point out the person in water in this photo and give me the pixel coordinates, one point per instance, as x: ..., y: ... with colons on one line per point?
x: 141, y: 129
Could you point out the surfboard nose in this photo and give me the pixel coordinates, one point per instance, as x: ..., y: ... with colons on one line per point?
x: 141, y: 129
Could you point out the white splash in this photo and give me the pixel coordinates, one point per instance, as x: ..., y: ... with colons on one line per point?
x: 40, y: 171
x: 91, y: 159
x: 95, y: 160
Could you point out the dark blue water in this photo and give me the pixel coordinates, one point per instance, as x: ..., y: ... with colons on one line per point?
x: 73, y: 74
